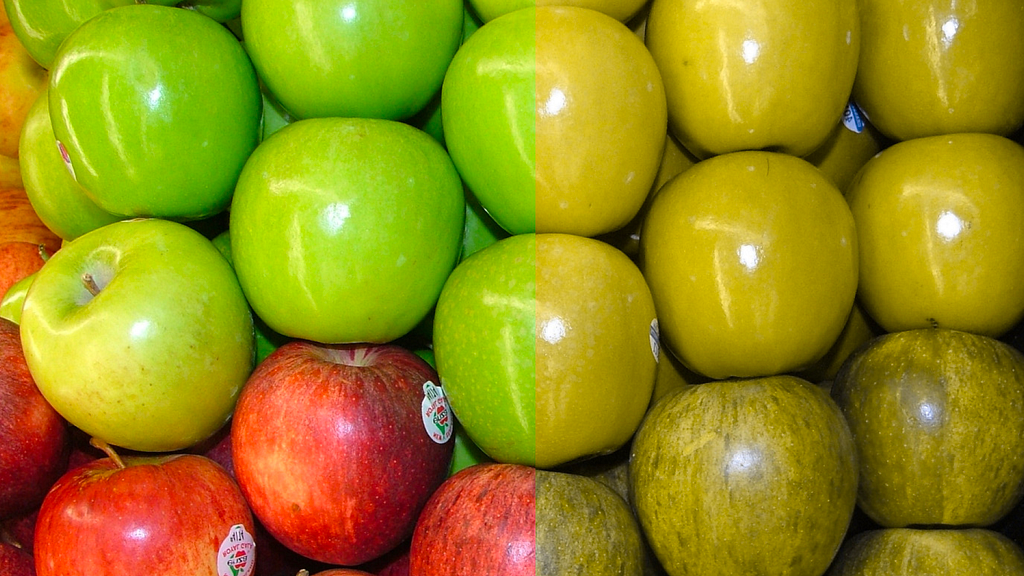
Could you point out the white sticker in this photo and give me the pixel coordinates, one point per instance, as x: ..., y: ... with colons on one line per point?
x: 437, y: 414
x: 655, y: 335
x: 853, y: 118
x: 67, y: 159
x: 237, y: 554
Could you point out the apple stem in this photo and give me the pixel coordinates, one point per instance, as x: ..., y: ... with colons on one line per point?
x: 90, y: 284
x: 108, y: 450
x: 303, y: 572
x: 44, y: 253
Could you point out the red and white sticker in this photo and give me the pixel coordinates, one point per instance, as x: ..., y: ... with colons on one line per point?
x: 437, y: 414
x: 67, y: 159
x: 237, y: 554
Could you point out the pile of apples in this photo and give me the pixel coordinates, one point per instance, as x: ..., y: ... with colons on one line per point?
x: 504, y: 287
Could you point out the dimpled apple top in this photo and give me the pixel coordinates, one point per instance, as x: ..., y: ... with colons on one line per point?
x: 361, y: 58
x: 139, y: 334
x: 42, y: 25
x: 345, y: 229
x: 754, y: 74
x: 933, y: 67
x: 158, y: 122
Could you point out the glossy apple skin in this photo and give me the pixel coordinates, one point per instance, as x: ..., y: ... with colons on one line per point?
x: 162, y: 514
x: 940, y: 67
x: 180, y: 104
x: 600, y: 121
x: 489, y: 117
x: 330, y: 448
x: 770, y: 74
x: 363, y: 58
x: 57, y: 198
x: 155, y: 361
x: 34, y: 439
x: 485, y: 347
x: 480, y: 521
x: 595, y: 317
x: 42, y: 25
x: 941, y: 244
x: 345, y: 229
x: 752, y: 261
x: 915, y: 401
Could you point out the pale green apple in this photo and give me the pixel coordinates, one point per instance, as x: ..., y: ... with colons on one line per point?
x: 138, y: 333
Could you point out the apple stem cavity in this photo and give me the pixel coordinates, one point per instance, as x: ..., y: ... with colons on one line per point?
x: 44, y: 254
x: 90, y: 284
x: 109, y: 451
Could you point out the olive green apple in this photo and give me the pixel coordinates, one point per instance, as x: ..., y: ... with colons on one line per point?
x: 139, y: 334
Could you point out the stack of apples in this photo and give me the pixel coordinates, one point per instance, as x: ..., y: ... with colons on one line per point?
x: 508, y: 287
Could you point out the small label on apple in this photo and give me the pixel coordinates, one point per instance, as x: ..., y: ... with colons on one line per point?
x: 853, y: 118
x: 67, y: 159
x: 655, y: 335
x: 237, y: 554
x: 437, y: 414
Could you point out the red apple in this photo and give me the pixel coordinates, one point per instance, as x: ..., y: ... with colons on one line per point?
x: 168, y: 514
x: 482, y: 520
x: 34, y: 439
x: 332, y: 449
x: 18, y: 260
x: 20, y: 223
x: 14, y: 561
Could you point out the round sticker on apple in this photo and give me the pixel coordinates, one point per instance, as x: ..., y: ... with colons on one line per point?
x: 437, y: 414
x: 237, y: 554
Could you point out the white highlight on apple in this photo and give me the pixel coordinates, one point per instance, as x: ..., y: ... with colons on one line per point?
x: 949, y: 225
x: 154, y: 97
x: 749, y: 256
x: 751, y: 50
x: 555, y: 103
x: 348, y: 12
x: 139, y: 329
x: 335, y: 215
x: 949, y: 30
x: 553, y: 331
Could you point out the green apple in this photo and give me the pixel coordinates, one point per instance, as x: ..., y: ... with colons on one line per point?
x: 345, y: 229
x: 42, y: 25
x: 926, y: 550
x: 489, y: 117
x: 481, y: 230
x: 58, y: 199
x: 14, y: 299
x: 352, y: 58
x: 485, y: 347
x: 219, y: 10
x: 266, y: 339
x: 158, y: 122
x: 139, y: 334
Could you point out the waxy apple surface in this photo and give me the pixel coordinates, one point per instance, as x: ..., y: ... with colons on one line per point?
x: 333, y: 450
x: 177, y: 514
x: 156, y: 358
x: 345, y: 229
x: 485, y: 347
x: 42, y: 25
x: 489, y: 118
x: 352, y: 58
x: 158, y: 122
